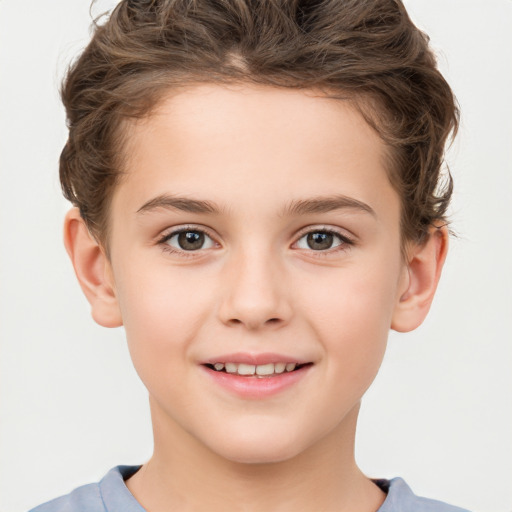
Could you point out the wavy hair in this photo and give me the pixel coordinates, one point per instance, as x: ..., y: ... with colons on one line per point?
x: 365, y: 51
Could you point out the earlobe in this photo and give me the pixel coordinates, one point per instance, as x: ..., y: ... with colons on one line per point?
x: 420, y: 279
x: 92, y: 270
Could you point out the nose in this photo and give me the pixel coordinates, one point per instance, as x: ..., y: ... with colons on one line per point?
x: 255, y: 294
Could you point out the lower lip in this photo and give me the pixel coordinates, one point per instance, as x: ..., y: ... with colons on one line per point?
x: 257, y: 387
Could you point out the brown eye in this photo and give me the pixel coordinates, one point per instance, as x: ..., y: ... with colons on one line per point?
x: 320, y: 241
x: 189, y: 240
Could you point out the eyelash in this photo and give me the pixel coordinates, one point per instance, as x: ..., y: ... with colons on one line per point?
x: 345, y: 241
x: 182, y: 253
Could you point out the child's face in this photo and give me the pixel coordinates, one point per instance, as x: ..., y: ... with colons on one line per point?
x: 245, y: 174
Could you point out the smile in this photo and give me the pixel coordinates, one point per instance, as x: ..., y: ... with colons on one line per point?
x: 260, y: 370
x: 256, y: 377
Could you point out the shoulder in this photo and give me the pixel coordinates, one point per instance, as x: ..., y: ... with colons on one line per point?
x: 108, y: 495
x: 400, y: 498
x: 85, y: 498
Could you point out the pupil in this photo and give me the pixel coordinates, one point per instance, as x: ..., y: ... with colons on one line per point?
x: 319, y: 241
x: 190, y: 240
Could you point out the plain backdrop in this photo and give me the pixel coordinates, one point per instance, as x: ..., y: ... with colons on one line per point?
x: 440, y: 412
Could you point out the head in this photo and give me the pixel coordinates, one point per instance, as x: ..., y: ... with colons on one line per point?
x: 261, y: 132
x: 367, y: 53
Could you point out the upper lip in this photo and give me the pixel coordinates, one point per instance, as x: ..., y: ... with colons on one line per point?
x: 255, y: 359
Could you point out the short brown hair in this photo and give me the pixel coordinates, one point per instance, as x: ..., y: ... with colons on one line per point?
x: 365, y: 51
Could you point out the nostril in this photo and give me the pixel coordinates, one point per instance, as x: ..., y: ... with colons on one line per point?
x: 270, y: 321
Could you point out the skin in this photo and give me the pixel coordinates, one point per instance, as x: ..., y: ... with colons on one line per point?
x: 255, y: 286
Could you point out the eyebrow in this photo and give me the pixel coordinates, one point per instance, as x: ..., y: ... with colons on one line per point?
x: 326, y: 204
x: 184, y: 204
x: 321, y: 204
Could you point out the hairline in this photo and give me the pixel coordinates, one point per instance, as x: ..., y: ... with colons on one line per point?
x: 364, y: 103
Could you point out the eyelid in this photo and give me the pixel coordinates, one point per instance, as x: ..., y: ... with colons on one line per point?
x: 347, y: 240
x: 174, y: 230
x: 167, y: 234
x: 314, y: 228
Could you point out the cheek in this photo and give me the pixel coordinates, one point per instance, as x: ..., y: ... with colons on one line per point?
x: 351, y: 313
x: 162, y: 312
x: 354, y: 298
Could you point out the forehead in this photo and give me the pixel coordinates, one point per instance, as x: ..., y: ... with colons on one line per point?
x: 242, y: 146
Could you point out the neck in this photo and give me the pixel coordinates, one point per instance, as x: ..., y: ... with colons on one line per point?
x: 185, y: 475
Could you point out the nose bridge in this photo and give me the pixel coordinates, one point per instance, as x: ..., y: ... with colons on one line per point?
x: 255, y: 292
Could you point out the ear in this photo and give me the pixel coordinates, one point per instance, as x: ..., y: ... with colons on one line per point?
x: 419, y: 283
x: 92, y: 269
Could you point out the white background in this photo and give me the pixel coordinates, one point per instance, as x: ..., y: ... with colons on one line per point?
x: 440, y: 412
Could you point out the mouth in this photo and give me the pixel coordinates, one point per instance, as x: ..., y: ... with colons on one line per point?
x: 256, y: 370
x: 256, y: 376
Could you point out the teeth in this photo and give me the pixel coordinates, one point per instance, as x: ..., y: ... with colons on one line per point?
x: 251, y: 369
x: 265, y: 369
x: 231, y: 367
x: 279, y: 367
x: 246, y: 369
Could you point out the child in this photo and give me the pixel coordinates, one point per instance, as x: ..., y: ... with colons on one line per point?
x: 258, y: 200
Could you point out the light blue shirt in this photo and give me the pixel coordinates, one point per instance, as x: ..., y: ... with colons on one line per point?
x: 112, y: 495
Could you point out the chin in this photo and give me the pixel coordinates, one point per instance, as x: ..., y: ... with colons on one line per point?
x: 256, y: 455
x: 258, y: 448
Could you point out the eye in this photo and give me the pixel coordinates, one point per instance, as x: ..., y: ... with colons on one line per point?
x: 322, y: 240
x: 188, y: 240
